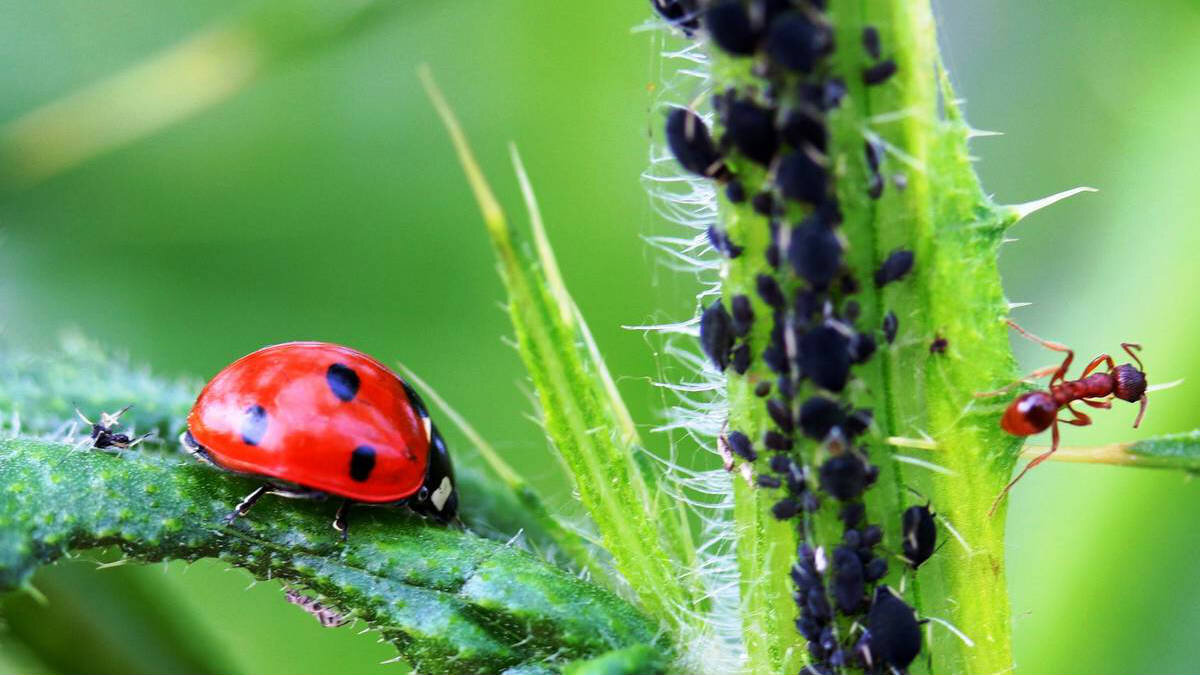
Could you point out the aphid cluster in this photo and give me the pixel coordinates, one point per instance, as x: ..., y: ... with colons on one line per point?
x: 811, y: 452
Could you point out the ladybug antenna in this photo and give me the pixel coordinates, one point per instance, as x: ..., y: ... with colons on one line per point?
x: 1129, y: 349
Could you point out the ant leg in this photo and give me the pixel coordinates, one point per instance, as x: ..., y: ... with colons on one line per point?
x: 1055, y: 346
x: 1080, y: 419
x: 1097, y: 404
x: 1129, y: 347
x: 1103, y: 358
x: 243, y: 506
x: 339, y: 519
x: 1032, y: 463
x: 1141, y: 412
x: 1035, y: 375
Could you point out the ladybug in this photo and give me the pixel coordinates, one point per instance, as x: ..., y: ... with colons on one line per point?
x: 315, y: 420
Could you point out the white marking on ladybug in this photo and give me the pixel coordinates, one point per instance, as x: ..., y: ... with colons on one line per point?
x: 428, y: 427
x: 442, y: 493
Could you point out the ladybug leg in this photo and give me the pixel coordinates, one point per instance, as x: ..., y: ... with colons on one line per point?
x: 243, y: 506
x: 339, y: 519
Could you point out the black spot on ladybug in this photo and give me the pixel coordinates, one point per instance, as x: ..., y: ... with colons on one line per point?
x: 254, y: 425
x: 879, y: 73
x: 362, y: 463
x: 343, y: 381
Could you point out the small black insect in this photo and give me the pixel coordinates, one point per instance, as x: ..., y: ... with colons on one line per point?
x: 848, y: 585
x: 870, y: 39
x: 721, y: 243
x: 872, y: 535
x: 769, y: 291
x: 844, y: 476
x: 873, y: 153
x: 893, y: 637
x: 768, y: 481
x: 875, y: 186
x: 751, y: 127
x: 939, y: 345
x: 690, y: 142
x: 879, y: 73
x: 875, y: 569
x: 741, y: 446
x: 743, y: 315
x: 763, y: 203
x: 103, y: 436
x: 818, y: 416
x: 824, y: 357
x: 776, y: 441
x: 862, y: 346
x: 890, y: 325
x: 730, y: 28
x: 858, y: 422
x: 740, y: 358
x: 920, y: 534
x: 776, y: 359
x: 898, y: 264
x: 852, y: 514
x: 781, y: 414
x: 815, y: 252
x: 802, y: 126
x: 762, y: 389
x: 796, y: 43
x: 785, y: 508
x: 734, y: 192
x: 801, y: 177
x: 716, y: 334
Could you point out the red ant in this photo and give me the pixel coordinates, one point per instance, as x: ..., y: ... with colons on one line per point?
x: 1034, y: 412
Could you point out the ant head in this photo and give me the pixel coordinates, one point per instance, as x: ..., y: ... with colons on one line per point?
x: 1129, y: 383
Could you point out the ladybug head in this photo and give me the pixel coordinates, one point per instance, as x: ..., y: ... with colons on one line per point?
x: 438, y: 496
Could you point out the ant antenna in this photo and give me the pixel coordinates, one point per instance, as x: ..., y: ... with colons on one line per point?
x: 1129, y: 347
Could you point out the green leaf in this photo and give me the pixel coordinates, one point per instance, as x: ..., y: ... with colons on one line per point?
x: 583, y: 414
x: 449, y: 601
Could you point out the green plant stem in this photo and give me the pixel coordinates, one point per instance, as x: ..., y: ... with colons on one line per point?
x: 450, y: 602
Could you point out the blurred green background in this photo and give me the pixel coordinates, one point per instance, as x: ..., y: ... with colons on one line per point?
x: 324, y: 202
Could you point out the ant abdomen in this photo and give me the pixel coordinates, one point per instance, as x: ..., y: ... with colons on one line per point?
x: 1030, y: 414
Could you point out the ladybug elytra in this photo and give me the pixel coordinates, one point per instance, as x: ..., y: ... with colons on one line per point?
x: 315, y: 419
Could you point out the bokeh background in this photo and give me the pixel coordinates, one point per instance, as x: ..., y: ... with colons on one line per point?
x: 324, y: 202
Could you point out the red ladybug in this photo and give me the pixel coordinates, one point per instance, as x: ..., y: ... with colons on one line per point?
x: 316, y: 419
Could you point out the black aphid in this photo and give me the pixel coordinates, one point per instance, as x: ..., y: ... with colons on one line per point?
x: 875, y: 186
x: 785, y: 508
x: 815, y: 252
x: 762, y: 389
x: 795, y: 42
x: 875, y: 569
x: 729, y: 26
x: 800, y: 177
x: 851, y: 311
x: 776, y: 441
x: 741, y: 446
x: 688, y: 138
x: 734, y: 192
x: 852, y: 514
x: 872, y: 535
x: 862, y: 346
x: 858, y: 422
x: 781, y: 463
x: 763, y: 203
x: 776, y: 359
x: 939, y: 345
x: 893, y: 637
x: 873, y: 153
x: 786, y: 386
x: 844, y: 476
x: 920, y: 534
x: 870, y: 39
x: 743, y: 315
x: 801, y: 126
x: 781, y: 414
x: 721, y: 243
x: 818, y: 416
x: 810, y: 502
x: 769, y: 291
x: 897, y: 265
x: 716, y: 334
x: 825, y: 357
x: 768, y: 481
x: 740, y: 358
x: 848, y: 585
x: 891, y: 324
x: 751, y: 127
x: 879, y: 73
